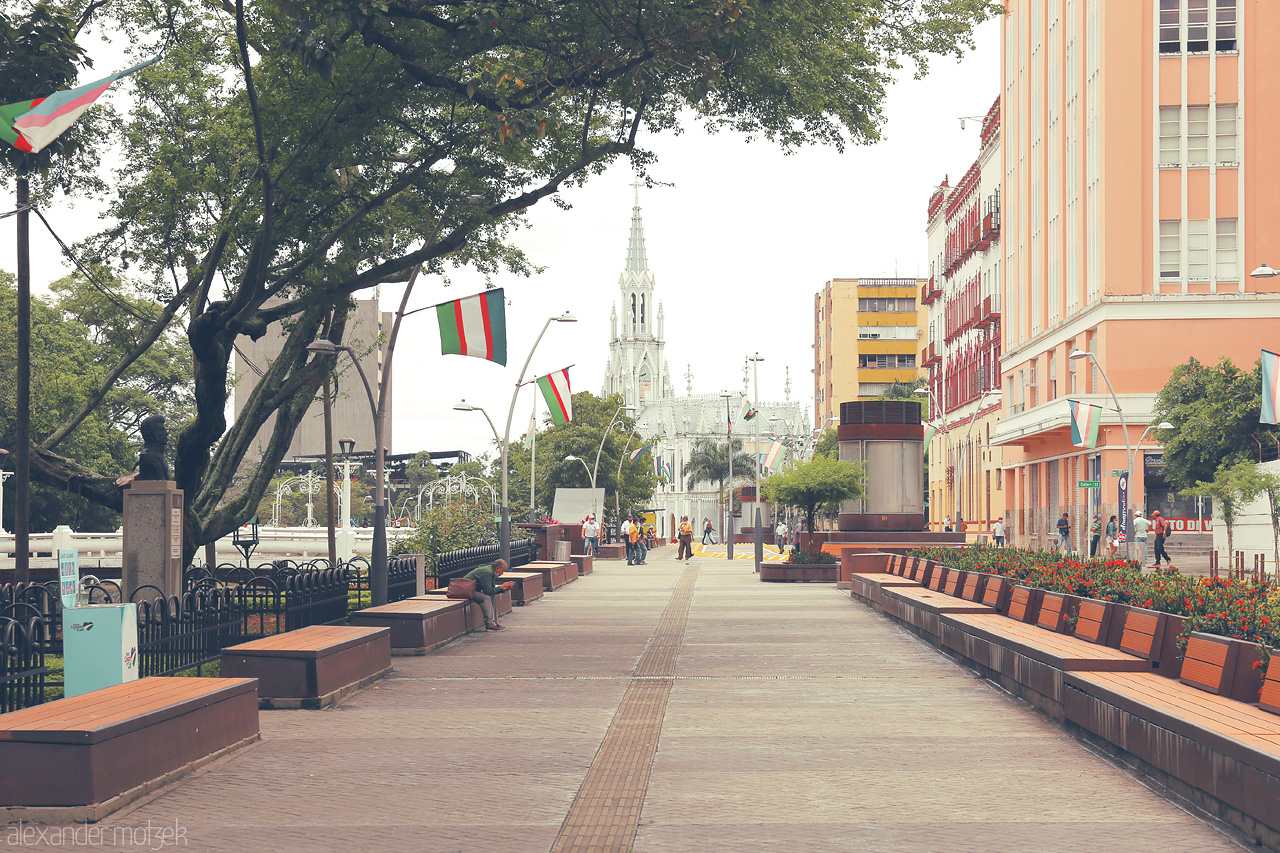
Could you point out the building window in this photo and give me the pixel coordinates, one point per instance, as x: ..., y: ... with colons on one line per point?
x: 1197, y: 26
x: 1225, y: 133
x: 1053, y: 376
x: 1197, y: 135
x: 1226, y: 257
x: 1198, y: 249
x: 1170, y: 26
x: 887, y: 361
x: 1225, y: 33
x: 1170, y: 136
x: 887, y: 305
x: 1170, y: 248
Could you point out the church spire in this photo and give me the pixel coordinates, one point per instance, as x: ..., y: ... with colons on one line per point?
x: 637, y: 261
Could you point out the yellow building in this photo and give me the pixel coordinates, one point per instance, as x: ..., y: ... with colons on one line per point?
x: 866, y: 337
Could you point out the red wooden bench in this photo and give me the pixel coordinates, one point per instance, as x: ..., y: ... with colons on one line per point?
x: 955, y: 583
x: 974, y: 585
x: 418, y: 625
x: 1269, y: 700
x: 1060, y: 651
x: 88, y: 755
x: 1093, y: 620
x: 554, y: 575
x: 1145, y: 634
x: 502, y: 603
x: 938, y: 578
x: 1024, y: 603
x: 312, y: 667
x: 997, y: 592
x: 528, y: 586
x: 584, y: 562
x: 1054, y: 610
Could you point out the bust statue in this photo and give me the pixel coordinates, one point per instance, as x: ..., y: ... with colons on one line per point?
x: 151, y: 463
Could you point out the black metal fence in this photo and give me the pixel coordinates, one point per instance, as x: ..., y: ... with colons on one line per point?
x: 220, y: 606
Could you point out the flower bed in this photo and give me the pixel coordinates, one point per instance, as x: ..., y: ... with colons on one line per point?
x: 1243, y: 609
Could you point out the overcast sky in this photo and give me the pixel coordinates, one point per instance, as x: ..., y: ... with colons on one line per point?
x: 738, y: 244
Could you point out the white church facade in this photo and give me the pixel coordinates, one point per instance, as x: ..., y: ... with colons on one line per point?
x: 638, y: 371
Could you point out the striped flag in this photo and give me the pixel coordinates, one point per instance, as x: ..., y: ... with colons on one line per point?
x: 635, y: 454
x: 1085, y: 419
x: 555, y: 390
x: 31, y: 125
x: 657, y: 466
x: 929, y: 430
x: 475, y: 326
x: 748, y: 412
x: 771, y: 458
x: 1270, y: 385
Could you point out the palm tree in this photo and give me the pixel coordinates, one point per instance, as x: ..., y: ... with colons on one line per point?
x: 709, y: 463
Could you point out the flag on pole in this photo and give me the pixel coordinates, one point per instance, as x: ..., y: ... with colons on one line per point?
x: 771, y: 458
x: 929, y: 430
x: 31, y: 125
x: 533, y: 424
x: 747, y: 412
x: 635, y: 454
x: 1270, y: 385
x: 555, y: 390
x: 1085, y: 419
x: 657, y: 466
x: 475, y: 326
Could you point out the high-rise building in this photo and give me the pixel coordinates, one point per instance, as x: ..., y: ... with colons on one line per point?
x: 962, y: 348
x: 352, y: 417
x: 1138, y: 171
x: 866, y: 337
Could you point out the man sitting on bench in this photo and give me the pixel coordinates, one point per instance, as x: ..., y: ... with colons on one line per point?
x: 486, y: 588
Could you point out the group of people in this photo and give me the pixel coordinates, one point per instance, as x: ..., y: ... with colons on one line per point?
x: 1157, y: 525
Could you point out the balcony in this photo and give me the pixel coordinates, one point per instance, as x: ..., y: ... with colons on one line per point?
x: 979, y: 243
x: 932, y: 355
x: 989, y: 310
x: 991, y: 225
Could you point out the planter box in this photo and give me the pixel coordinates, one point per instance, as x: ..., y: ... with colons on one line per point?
x: 792, y: 572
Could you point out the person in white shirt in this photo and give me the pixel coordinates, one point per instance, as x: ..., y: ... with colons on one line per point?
x: 997, y: 531
x: 780, y: 536
x: 591, y: 535
x: 1140, y: 528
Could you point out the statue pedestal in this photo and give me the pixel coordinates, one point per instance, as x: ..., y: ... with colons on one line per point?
x: 152, y: 537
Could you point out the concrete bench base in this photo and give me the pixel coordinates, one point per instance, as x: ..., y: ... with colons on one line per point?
x: 554, y: 575
x: 86, y: 756
x: 584, y: 562
x: 798, y: 572
x: 418, y: 626
x: 313, y: 667
x: 502, y: 605
x: 527, y: 589
x: 616, y: 551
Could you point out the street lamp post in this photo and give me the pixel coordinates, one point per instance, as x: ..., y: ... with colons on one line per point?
x: 592, y: 471
x: 4, y: 475
x: 1128, y: 448
x: 378, y: 570
x: 504, y: 536
x: 728, y: 527
x: 1141, y: 438
x: 757, y: 521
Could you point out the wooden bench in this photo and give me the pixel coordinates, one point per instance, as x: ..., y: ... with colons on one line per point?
x: 1096, y: 621
x: 938, y: 578
x: 1060, y: 651
x: 612, y: 551
x: 554, y: 575
x: 81, y: 758
x: 1024, y: 603
x: 584, y: 562
x: 1269, y: 700
x: 312, y: 667
x: 528, y: 586
x: 955, y: 583
x: 1055, y: 608
x: 1146, y: 635
x: 1222, y: 753
x: 997, y: 592
x: 502, y: 604
x: 975, y: 584
x: 418, y: 625
x: 921, y: 609
x: 868, y: 587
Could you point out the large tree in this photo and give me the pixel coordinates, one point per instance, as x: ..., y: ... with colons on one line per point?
x: 821, y: 481
x: 709, y: 462
x: 286, y: 157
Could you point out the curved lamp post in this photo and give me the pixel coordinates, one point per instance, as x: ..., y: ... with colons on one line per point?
x: 378, y: 572
x: 504, y: 536
x: 595, y: 469
x: 728, y: 528
x: 1124, y: 429
x: 1141, y: 438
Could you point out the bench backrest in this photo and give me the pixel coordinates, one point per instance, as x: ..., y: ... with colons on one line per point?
x: 1093, y: 621
x: 938, y: 579
x: 996, y: 593
x: 955, y: 583
x: 1209, y: 663
x: 892, y: 566
x: 974, y: 585
x: 1270, y: 699
x: 913, y: 568
x: 1143, y: 633
x: 923, y: 573
x: 1024, y: 603
x: 1053, y: 612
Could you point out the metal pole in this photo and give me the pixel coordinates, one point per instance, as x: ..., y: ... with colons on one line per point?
x: 728, y: 539
x: 759, y: 537
x: 1128, y: 449
x: 22, y: 401
x: 328, y: 472
x: 504, y: 535
x: 378, y: 571
x: 596, y: 468
x: 533, y: 458
x: 4, y: 475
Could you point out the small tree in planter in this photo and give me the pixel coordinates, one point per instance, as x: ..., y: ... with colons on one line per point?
x: 822, y: 481
x: 1232, y: 487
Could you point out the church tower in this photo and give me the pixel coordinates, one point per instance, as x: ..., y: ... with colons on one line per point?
x: 637, y: 367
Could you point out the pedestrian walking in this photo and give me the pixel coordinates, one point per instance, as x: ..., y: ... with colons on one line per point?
x: 780, y: 536
x: 1095, y: 533
x: 1140, y: 528
x: 997, y: 531
x: 946, y: 523
x: 1161, y: 527
x: 629, y: 531
x: 642, y: 543
x: 591, y: 535
x: 685, y: 532
x: 707, y: 532
x: 1113, y: 537
x: 1064, y: 535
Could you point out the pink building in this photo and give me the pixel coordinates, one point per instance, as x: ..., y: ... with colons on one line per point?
x: 1141, y: 152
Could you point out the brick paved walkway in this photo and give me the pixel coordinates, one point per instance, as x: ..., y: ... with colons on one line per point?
x: 791, y: 719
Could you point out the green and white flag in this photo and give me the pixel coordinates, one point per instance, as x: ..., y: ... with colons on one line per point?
x: 929, y: 430
x: 475, y: 326
x: 555, y: 390
x: 1085, y: 420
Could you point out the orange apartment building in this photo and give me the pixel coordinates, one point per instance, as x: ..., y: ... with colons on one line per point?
x: 1141, y: 154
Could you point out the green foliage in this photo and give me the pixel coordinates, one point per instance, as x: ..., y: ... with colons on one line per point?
x: 821, y: 481
x: 828, y: 446
x: 627, y: 484
x: 818, y: 557
x: 448, y: 526
x: 1214, y: 411
x: 1232, y: 487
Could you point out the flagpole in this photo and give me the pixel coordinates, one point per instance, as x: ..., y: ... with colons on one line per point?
x: 22, y: 437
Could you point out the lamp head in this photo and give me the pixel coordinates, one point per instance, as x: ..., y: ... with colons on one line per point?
x: 1164, y: 425
x: 347, y: 445
x: 566, y: 317
x: 323, y: 347
x: 1264, y: 271
x: 1078, y: 353
x: 463, y: 406
x: 571, y: 458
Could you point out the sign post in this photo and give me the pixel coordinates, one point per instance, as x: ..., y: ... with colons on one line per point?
x: 1088, y: 484
x: 68, y: 575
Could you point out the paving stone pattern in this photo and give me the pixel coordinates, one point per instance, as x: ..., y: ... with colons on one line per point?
x: 786, y: 717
